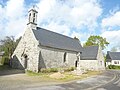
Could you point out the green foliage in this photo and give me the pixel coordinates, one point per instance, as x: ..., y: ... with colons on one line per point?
x: 5, y: 60
x: 96, y: 40
x: 0, y: 48
x: 4, y: 67
x: 113, y: 67
x: 49, y: 70
x: 31, y: 73
x: 114, y: 49
x: 69, y: 69
x: 8, y: 45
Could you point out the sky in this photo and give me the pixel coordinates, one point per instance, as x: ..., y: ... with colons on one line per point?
x: 80, y: 18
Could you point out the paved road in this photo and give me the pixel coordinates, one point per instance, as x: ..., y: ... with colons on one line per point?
x: 113, y: 85
x: 110, y: 80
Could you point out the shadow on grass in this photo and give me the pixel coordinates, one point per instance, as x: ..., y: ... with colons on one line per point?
x: 6, y: 70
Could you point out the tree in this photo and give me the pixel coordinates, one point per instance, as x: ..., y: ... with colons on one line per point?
x: 97, y: 40
x: 8, y: 45
x: 114, y: 49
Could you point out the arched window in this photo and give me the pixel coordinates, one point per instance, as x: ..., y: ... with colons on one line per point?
x: 65, y: 57
x: 25, y: 56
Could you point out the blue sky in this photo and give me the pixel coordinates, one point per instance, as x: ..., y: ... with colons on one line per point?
x: 80, y: 18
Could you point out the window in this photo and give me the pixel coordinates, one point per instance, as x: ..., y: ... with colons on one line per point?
x: 65, y: 57
x: 29, y: 17
x: 33, y: 20
x: 33, y: 14
x: 115, y: 62
x: 25, y: 56
x: 76, y: 63
x: 80, y: 52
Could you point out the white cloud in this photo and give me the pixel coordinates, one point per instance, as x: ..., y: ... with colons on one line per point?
x: 2, y: 13
x: 113, y: 37
x: 80, y: 35
x: 112, y: 20
x: 15, y: 9
x: 73, y: 13
x: 109, y: 24
x: 13, y: 18
x: 57, y: 15
x: 64, y: 29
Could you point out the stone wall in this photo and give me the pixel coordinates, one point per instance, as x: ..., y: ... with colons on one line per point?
x: 101, y: 60
x: 94, y: 64
x: 54, y: 58
x: 89, y: 64
x: 28, y: 45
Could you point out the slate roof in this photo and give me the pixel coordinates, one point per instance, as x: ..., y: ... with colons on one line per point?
x: 90, y: 53
x: 55, y: 40
x: 112, y: 56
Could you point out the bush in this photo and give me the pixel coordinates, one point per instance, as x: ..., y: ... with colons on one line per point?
x: 31, y: 73
x: 49, y: 70
x: 53, y: 69
x: 69, y: 69
x: 5, y: 60
x: 113, y: 67
x: 43, y: 70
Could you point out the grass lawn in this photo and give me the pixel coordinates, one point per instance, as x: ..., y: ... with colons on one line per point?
x: 68, y: 76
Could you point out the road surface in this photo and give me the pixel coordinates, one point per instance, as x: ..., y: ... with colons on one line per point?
x: 109, y: 80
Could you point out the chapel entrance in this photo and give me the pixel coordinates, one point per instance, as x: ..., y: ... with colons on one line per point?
x: 25, y: 61
x: 76, y: 63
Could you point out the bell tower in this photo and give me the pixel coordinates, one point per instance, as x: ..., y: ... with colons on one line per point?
x: 32, y: 18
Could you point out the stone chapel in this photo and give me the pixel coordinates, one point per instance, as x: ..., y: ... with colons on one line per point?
x: 40, y: 48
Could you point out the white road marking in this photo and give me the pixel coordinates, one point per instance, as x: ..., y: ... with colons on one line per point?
x: 117, y: 81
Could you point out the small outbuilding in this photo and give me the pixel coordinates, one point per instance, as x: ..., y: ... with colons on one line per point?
x: 113, y: 58
x: 92, y: 58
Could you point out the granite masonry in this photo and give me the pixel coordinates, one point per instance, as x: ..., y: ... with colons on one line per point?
x: 40, y: 48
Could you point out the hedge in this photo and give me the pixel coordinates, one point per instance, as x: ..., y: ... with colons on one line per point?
x: 113, y: 67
